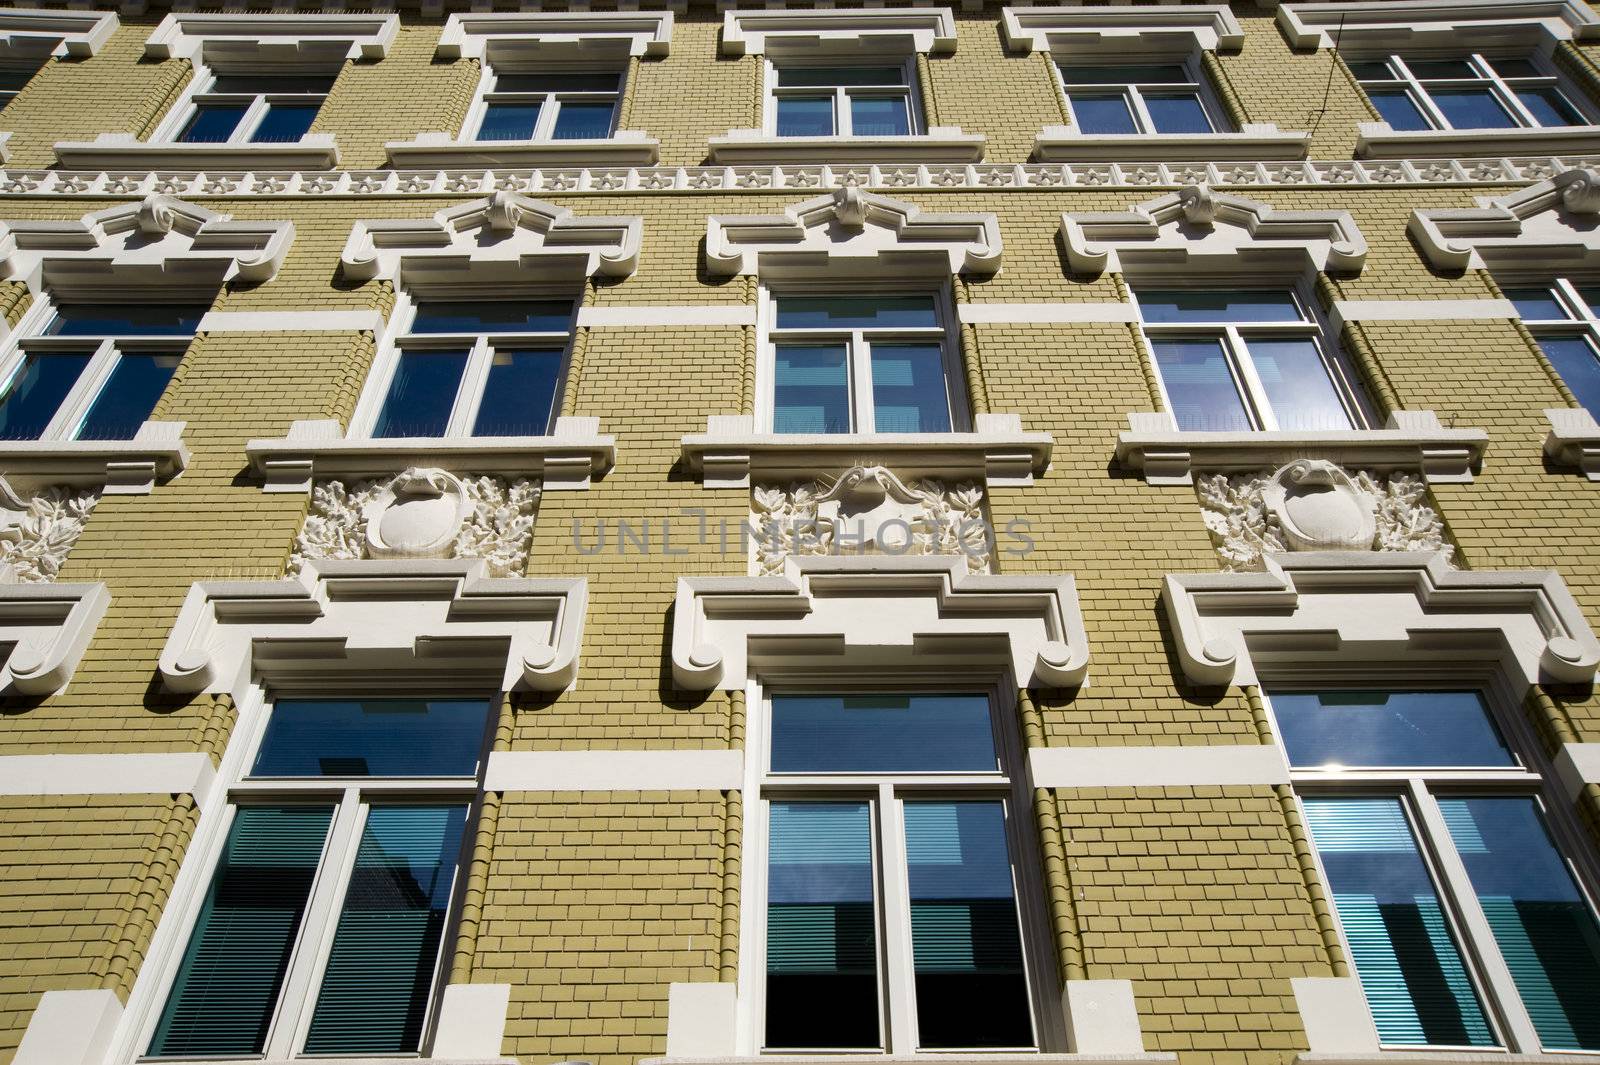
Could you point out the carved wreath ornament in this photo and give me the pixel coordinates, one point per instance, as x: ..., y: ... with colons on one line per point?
x: 869, y: 510
x: 38, y: 531
x: 421, y: 513
x: 1314, y: 505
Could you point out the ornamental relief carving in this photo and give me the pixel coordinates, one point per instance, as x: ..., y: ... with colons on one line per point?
x: 421, y: 513
x: 1315, y: 505
x: 868, y: 510
x: 37, y: 531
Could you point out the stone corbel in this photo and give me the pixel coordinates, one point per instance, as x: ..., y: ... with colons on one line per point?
x: 1573, y: 440
x: 49, y: 627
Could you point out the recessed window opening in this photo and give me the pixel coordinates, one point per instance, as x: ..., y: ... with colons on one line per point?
x: 866, y: 100
x: 1474, y: 91
x: 1150, y: 97
x: 549, y: 105
x: 1564, y: 317
x: 253, y: 108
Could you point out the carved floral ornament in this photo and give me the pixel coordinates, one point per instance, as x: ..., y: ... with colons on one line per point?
x: 38, y: 530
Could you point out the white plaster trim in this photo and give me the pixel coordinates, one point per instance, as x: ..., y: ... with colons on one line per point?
x: 471, y: 1021
x: 1548, y: 227
x: 615, y: 771
x: 1374, y: 607
x: 939, y: 144
x: 338, y: 620
x: 117, y: 467
x: 36, y: 33
x: 70, y: 1028
x: 1045, y: 313
x: 1197, y: 227
x: 302, y: 38
x: 1573, y: 440
x: 1334, y: 1012
x: 1122, y: 30
x: 1376, y: 140
x: 1418, y: 311
x: 970, y: 1058
x: 50, y: 626
x: 625, y: 147
x: 124, y: 151
x: 702, y: 1020
x: 1102, y: 1017
x: 108, y: 774
x: 1189, y: 765
x: 291, y: 322
x: 1578, y: 765
x: 640, y: 317
x: 1402, y: 24
x: 535, y: 35
x: 1257, y: 140
x: 827, y: 31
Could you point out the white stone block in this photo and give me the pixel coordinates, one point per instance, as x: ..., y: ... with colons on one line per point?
x: 472, y: 1021
x: 701, y: 1020
x: 1102, y: 1017
x: 1335, y: 1015
x: 70, y: 1028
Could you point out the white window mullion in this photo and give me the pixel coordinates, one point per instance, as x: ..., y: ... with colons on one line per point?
x: 248, y: 121
x: 470, y: 394
x: 842, y: 124
x: 1141, y: 114
x: 1255, y: 391
x: 75, y: 405
x: 899, y: 967
x: 860, y: 367
x: 545, y: 128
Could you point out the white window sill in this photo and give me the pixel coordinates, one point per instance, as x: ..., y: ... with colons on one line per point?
x: 317, y: 450
x: 1414, y: 440
x: 1257, y: 141
x: 122, y: 151
x: 1378, y: 141
x: 941, y: 1058
x: 623, y: 148
x: 117, y: 467
x: 1573, y: 440
x: 730, y: 452
x: 941, y: 144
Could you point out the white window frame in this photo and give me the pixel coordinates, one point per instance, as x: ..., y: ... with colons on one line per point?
x: 858, y: 342
x: 544, y: 130
x: 1133, y: 94
x: 475, y: 376
x: 1488, y: 77
x: 1234, y: 338
x: 203, y: 91
x: 885, y: 793
x: 351, y: 798
x: 1417, y: 789
x: 841, y: 94
x: 1582, y: 322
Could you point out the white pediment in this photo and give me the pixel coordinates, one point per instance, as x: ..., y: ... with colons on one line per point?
x: 295, y: 40
x: 1548, y: 227
x: 1122, y: 29
x: 553, y: 35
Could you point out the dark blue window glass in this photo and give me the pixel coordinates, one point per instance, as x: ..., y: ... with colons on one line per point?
x: 1097, y: 113
x: 811, y: 389
x: 1297, y: 384
x: 583, y: 120
x: 856, y: 312
x: 1575, y: 360
x: 128, y: 396
x: 1240, y: 305
x: 1472, y: 108
x: 1398, y: 109
x: 509, y: 121
x: 1372, y: 70
x: 1200, y: 385
x: 1381, y: 728
x: 1124, y: 74
x: 1441, y: 68
x: 519, y: 399
x: 1549, y: 106
x: 882, y: 733
x: 493, y: 316
x: 879, y: 116
x: 1537, y: 304
x: 827, y: 77
x: 421, y: 394
x: 908, y: 389
x: 36, y: 392
x: 285, y: 123
x: 373, y: 738
x: 125, y: 319
x: 1177, y: 113
x: 805, y: 116
x: 212, y: 123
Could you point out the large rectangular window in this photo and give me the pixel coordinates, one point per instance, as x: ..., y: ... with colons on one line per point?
x: 1141, y: 98
x: 1564, y: 317
x: 1420, y: 92
x: 255, y: 109
x: 558, y: 105
x: 844, y: 101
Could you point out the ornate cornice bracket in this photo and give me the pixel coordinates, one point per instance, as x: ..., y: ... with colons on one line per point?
x: 1552, y: 222
x: 50, y: 626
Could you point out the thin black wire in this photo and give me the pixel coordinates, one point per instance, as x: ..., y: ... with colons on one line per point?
x: 1333, y: 63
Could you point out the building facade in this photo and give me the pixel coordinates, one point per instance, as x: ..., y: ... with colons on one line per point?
x: 694, y: 531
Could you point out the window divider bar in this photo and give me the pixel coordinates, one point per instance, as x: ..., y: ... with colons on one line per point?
x: 899, y: 962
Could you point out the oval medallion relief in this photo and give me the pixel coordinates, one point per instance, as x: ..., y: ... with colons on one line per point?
x: 417, y: 515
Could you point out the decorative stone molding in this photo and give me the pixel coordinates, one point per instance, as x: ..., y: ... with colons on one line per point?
x: 1122, y: 30
x: 997, y: 452
x: 1573, y: 440
x: 515, y: 235
x: 830, y: 613
x: 1314, y: 505
x: 157, y: 239
x: 1197, y: 226
x: 1460, y: 25
x: 115, y: 467
x: 49, y: 626
x: 623, y: 148
x: 850, y: 227
x: 1378, y: 140
x: 1410, y: 440
x: 124, y: 151
x: 868, y: 510
x: 316, y: 450
x: 838, y: 31
x: 939, y: 144
x: 38, y: 529
x: 1412, y: 607
x: 421, y: 513
x: 1255, y: 140
x: 443, y: 619
x: 294, y: 40
x: 1546, y: 228
x: 554, y: 35
x: 31, y: 34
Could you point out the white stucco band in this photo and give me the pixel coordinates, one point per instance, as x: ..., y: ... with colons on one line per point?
x: 177, y: 773
x: 615, y: 771
x: 1188, y: 765
x: 1578, y: 766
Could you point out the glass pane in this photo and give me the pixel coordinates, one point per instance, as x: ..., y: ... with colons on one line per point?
x: 805, y: 116
x: 1372, y: 70
x: 879, y: 116
x: 1574, y: 359
x: 908, y: 389
x: 508, y: 122
x: 1404, y: 951
x: 1398, y: 109
x: 967, y: 949
x: 811, y: 389
x: 492, y: 316
x: 12, y: 81
x: 1516, y: 68
x: 1197, y: 305
x: 857, y: 312
x: 585, y: 120
x: 421, y: 394
x: 519, y: 399
x: 1200, y: 385
x: 1537, y: 304
x: 380, y: 970
x: 1442, y: 68
x: 125, y: 319
x: 566, y: 81
x: 1296, y: 380
x: 821, y: 934
x: 827, y: 77
x: 1378, y: 728
x: 1591, y: 296
x: 270, y: 83
x: 212, y: 123
x: 1472, y: 109
x: 1102, y: 114
x: 373, y: 738
x: 1128, y: 74
x: 882, y: 734
x: 36, y: 392
x: 128, y: 397
x: 1177, y: 113
x: 285, y: 123
x: 1549, y: 106
x: 223, y: 998
x: 1544, y: 928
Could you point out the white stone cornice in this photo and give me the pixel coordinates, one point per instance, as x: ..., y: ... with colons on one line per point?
x: 50, y: 626
x: 940, y: 144
x: 1573, y: 440
x: 1545, y: 228
x: 124, y: 151
x: 34, y: 34
x: 1198, y: 226
x: 825, y: 613
x: 294, y: 39
x: 838, y: 30
x: 623, y: 148
x: 1122, y: 30
x: 1374, y: 607
x: 536, y: 35
x: 1396, y: 25
x: 343, y: 623
x: 1256, y: 140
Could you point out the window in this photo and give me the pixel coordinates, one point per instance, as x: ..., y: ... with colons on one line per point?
x: 1565, y: 319
x: 12, y: 79
x: 255, y: 109
x: 566, y: 105
x: 321, y: 930
x: 1465, y: 923
x: 476, y: 368
x: 1246, y: 359
x: 95, y: 371
x: 1465, y: 92
x: 1144, y: 98
x: 845, y: 101
x: 891, y: 877
x: 844, y: 364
